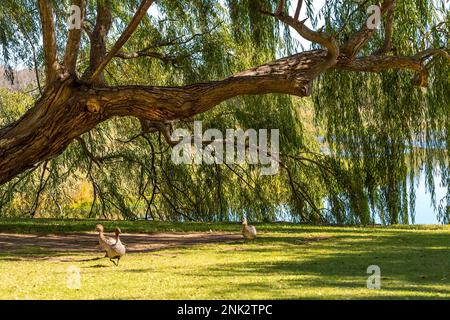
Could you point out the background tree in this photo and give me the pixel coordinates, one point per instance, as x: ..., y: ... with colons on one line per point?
x: 106, y: 89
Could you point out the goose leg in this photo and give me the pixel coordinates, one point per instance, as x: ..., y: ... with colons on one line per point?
x: 118, y: 259
x: 111, y: 259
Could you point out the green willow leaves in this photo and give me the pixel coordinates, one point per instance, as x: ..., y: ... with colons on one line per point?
x: 379, y: 131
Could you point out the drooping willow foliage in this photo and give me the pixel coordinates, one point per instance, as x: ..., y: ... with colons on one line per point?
x: 380, y: 130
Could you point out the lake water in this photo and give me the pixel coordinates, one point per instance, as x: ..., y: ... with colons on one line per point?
x: 424, y: 209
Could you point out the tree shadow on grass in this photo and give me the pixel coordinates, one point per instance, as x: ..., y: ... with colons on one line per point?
x: 87, y: 243
x: 412, y: 265
x: 96, y: 266
x: 53, y: 256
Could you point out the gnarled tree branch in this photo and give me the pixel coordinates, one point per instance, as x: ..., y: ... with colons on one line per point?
x: 69, y: 108
x: 388, y: 32
x: 149, y: 126
x: 49, y: 40
x: 140, y: 13
x: 376, y: 63
x: 318, y: 37
x: 151, y: 54
x: 351, y: 48
x: 73, y: 42
x: 98, y: 40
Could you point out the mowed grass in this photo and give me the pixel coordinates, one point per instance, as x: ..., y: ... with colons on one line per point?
x: 287, y: 261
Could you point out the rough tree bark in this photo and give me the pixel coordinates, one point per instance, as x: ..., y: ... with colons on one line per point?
x: 70, y: 106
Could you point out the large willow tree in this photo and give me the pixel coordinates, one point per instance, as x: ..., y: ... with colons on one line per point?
x: 110, y: 92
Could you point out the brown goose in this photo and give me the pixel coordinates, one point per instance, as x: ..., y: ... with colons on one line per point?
x: 113, y: 247
x: 249, y: 232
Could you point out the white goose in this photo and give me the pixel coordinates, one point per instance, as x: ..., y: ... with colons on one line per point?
x: 249, y: 232
x: 113, y: 247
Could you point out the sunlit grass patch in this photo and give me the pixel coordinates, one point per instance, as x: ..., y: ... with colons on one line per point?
x: 285, y: 262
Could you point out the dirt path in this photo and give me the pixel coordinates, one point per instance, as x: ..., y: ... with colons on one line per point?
x: 88, y: 242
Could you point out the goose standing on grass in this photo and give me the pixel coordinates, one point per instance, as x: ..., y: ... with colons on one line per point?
x: 113, y: 247
x: 249, y: 232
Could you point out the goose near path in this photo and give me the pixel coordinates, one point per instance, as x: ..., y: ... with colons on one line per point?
x: 113, y: 247
x: 249, y: 232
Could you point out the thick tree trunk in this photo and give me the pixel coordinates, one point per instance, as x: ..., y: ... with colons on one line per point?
x: 44, y: 131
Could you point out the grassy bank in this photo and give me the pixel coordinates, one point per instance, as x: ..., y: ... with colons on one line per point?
x: 286, y: 261
x: 56, y: 226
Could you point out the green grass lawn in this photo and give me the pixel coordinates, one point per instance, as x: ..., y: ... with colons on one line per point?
x: 287, y: 261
